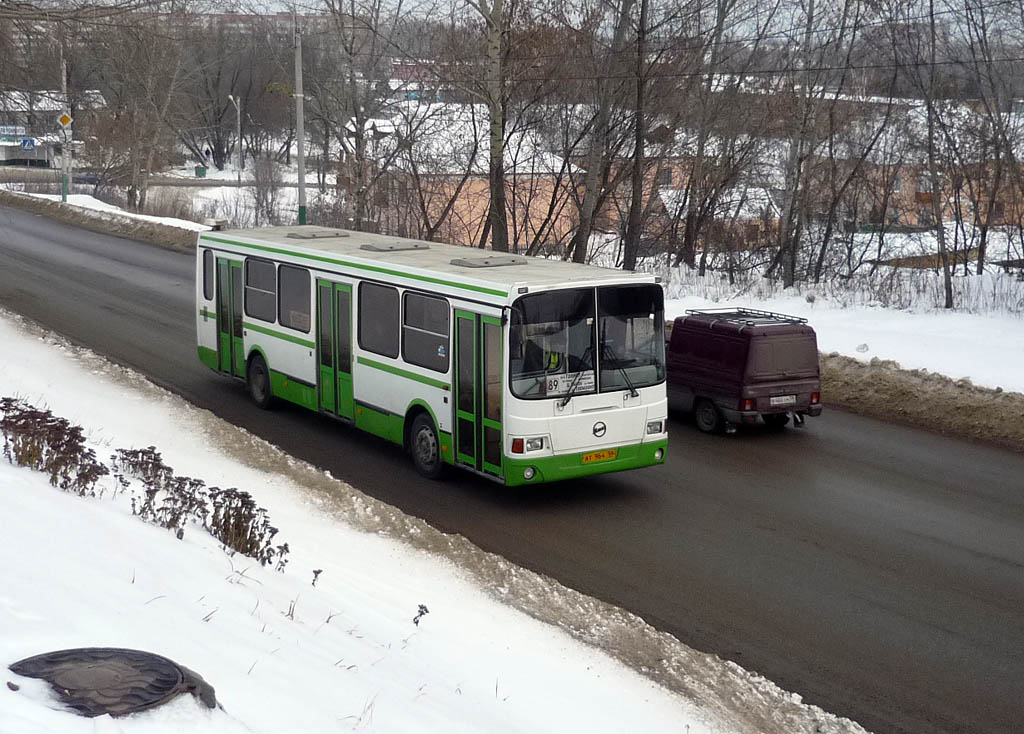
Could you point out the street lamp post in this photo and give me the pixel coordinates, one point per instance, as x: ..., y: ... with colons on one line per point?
x: 238, y: 124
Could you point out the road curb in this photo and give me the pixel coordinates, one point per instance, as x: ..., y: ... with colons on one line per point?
x: 153, y: 233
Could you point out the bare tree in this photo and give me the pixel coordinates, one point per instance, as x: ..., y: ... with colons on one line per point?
x: 350, y: 64
x: 992, y: 37
x: 141, y: 70
x: 606, y: 89
x: 265, y: 191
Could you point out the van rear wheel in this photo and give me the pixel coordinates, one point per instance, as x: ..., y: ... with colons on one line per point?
x: 708, y: 419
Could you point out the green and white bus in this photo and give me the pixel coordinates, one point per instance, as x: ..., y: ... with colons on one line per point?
x: 520, y: 369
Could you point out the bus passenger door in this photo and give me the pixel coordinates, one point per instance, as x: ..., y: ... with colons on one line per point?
x: 325, y: 346
x: 229, y: 317
x: 489, y: 341
x: 343, y: 342
x: 478, y: 388
x: 334, y: 347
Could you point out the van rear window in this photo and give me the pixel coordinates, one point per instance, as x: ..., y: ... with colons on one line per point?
x: 779, y: 357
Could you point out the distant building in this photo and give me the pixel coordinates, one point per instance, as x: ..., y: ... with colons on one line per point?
x: 30, y: 134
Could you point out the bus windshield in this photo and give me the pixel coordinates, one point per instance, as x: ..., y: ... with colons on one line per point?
x: 587, y: 340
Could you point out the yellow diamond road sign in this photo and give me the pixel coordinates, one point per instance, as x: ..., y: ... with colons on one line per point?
x: 64, y: 120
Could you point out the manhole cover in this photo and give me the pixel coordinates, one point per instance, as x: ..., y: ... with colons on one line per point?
x: 109, y: 680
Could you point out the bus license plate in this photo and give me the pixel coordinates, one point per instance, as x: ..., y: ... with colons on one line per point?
x: 605, y: 455
x: 782, y: 400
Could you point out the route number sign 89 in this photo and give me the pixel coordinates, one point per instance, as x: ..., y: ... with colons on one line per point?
x: 560, y: 384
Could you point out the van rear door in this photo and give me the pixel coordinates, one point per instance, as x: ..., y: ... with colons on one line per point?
x: 781, y: 358
x: 782, y: 373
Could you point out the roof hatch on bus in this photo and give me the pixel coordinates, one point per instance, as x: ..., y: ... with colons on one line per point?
x: 396, y: 246
x: 489, y: 262
x: 318, y: 234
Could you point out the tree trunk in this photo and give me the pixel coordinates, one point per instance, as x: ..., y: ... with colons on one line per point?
x: 497, y: 214
x: 598, y: 143
x: 634, y: 223
x: 933, y: 171
x: 696, y: 179
x: 989, y: 210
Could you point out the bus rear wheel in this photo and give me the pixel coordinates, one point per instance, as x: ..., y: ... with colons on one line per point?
x: 257, y: 377
x: 425, y: 448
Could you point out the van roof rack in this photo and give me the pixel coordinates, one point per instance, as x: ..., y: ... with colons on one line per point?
x: 748, y: 316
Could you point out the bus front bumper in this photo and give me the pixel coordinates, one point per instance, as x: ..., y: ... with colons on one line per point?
x: 571, y: 466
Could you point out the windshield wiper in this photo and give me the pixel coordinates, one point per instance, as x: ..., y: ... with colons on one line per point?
x: 575, y: 382
x: 607, y: 352
x: 571, y: 391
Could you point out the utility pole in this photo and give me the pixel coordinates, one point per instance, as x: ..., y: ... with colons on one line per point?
x: 238, y: 124
x: 300, y: 124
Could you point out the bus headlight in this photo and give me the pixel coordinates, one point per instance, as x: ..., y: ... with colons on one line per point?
x: 528, y: 473
x: 654, y: 427
x: 534, y: 444
x: 658, y: 454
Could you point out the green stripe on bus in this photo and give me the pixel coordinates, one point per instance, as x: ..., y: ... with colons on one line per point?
x: 403, y: 373
x: 360, y: 266
x: 571, y: 466
x: 278, y: 335
x: 207, y: 314
x: 209, y: 357
x: 287, y: 388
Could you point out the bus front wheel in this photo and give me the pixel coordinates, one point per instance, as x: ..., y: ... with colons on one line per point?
x: 257, y: 377
x: 425, y: 448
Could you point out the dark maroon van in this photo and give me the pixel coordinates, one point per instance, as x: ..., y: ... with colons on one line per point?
x: 730, y: 366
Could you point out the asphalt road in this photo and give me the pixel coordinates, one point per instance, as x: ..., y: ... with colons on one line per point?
x: 876, y: 570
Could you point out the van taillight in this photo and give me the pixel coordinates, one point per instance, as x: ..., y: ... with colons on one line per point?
x: 747, y: 404
x: 815, y: 398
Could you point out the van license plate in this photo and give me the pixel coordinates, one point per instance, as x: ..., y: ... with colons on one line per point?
x: 605, y: 455
x: 782, y: 400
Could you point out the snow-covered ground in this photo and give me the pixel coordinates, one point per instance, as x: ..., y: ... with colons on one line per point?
x: 85, y: 201
x: 286, y: 655
x: 289, y: 174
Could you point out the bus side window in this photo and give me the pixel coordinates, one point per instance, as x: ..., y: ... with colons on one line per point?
x: 208, y: 275
x: 378, y: 319
x: 261, y: 289
x: 425, y: 331
x: 293, y: 297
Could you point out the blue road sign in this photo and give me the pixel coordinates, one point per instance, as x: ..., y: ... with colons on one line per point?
x: 28, y: 144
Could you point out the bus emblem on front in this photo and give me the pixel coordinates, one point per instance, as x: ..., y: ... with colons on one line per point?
x: 600, y: 429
